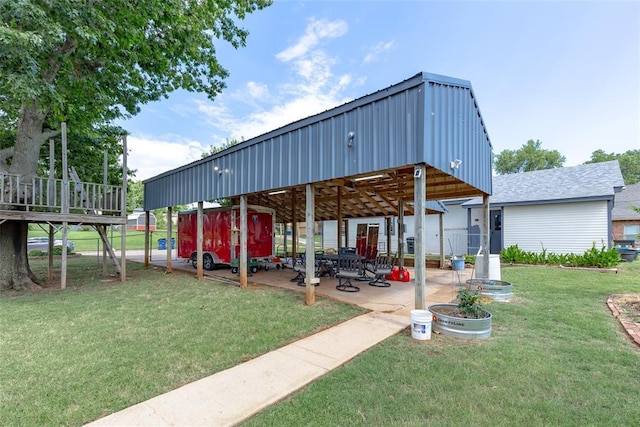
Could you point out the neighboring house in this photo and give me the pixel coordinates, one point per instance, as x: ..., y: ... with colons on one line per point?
x: 563, y: 210
x: 626, y: 221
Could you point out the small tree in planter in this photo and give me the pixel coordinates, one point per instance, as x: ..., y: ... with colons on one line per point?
x: 467, y: 319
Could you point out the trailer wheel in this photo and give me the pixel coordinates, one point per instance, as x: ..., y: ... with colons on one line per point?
x: 278, y: 266
x: 234, y: 270
x: 194, y: 261
x: 207, y: 262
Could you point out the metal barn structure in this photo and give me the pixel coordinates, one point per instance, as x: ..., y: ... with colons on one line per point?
x: 384, y: 154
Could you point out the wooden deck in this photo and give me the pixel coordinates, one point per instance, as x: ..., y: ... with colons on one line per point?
x: 42, y: 199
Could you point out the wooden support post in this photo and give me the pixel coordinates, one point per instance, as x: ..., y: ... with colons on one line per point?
x: 310, y: 257
x: 123, y: 211
x: 486, y: 231
x: 243, y: 261
x: 200, y: 240
x: 147, y: 218
x: 169, y: 236
x: 401, y: 234
x: 441, y: 232
x: 294, y: 226
x: 387, y: 221
x: 65, y: 206
x: 340, y: 225
x: 51, y: 237
x: 104, y: 252
x: 419, y: 211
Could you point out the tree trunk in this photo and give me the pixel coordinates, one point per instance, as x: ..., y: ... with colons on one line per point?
x: 15, y: 272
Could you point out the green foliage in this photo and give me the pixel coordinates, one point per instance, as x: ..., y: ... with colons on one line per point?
x: 530, y: 157
x: 629, y: 163
x: 96, y: 61
x: 469, y: 304
x: 37, y: 252
x: 135, y: 195
x: 603, y: 257
x: 213, y: 150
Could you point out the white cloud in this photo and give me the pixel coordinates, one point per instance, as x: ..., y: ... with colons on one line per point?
x: 376, y: 51
x: 314, y: 33
x: 313, y: 89
x: 152, y: 156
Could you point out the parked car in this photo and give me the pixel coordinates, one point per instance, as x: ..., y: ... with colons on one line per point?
x: 42, y: 244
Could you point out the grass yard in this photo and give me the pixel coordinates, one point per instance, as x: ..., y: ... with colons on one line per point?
x: 89, y: 240
x: 556, y: 357
x: 70, y: 357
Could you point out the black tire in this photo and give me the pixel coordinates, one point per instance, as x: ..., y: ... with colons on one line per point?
x: 234, y: 270
x: 254, y: 269
x: 207, y: 262
x: 266, y: 268
x: 278, y: 266
x: 194, y: 261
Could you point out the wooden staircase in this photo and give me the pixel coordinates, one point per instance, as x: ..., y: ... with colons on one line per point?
x: 99, y: 228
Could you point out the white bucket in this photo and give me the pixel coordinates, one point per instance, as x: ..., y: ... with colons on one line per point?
x: 421, y: 324
x: 494, y: 267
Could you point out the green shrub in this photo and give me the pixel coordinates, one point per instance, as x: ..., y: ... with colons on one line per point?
x: 603, y: 258
x: 469, y: 304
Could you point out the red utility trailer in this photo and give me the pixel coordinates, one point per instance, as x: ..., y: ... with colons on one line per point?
x: 221, y: 234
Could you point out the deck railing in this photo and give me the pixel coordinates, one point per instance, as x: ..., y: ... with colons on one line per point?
x: 45, y: 194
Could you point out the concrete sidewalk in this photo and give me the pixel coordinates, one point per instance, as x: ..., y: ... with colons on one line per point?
x: 232, y: 396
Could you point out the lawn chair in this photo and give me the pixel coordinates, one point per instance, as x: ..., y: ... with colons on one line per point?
x: 300, y: 267
x: 382, y: 266
x: 349, y: 268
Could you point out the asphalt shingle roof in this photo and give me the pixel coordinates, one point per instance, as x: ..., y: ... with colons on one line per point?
x: 628, y: 197
x: 590, y: 181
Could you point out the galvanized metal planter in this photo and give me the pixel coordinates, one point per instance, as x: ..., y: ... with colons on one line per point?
x: 459, y: 327
x: 497, y: 290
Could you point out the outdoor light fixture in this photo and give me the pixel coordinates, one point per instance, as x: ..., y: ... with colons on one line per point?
x: 456, y: 164
x: 364, y: 178
x: 217, y: 169
x: 350, y: 137
x: 273, y: 193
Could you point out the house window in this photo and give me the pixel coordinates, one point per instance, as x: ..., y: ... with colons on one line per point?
x: 631, y: 232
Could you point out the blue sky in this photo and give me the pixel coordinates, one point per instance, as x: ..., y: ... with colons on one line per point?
x: 565, y: 73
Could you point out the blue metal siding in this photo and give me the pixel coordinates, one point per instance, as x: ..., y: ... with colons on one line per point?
x: 455, y: 130
x: 426, y: 119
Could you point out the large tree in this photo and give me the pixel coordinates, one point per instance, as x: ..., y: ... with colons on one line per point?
x: 89, y: 62
x: 530, y: 157
x: 629, y: 163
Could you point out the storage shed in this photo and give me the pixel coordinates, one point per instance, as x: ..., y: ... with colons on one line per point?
x: 136, y: 220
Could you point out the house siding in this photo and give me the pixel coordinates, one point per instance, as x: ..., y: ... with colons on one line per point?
x: 558, y: 228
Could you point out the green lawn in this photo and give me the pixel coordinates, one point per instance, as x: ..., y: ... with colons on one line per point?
x: 89, y: 240
x: 69, y: 357
x: 556, y: 357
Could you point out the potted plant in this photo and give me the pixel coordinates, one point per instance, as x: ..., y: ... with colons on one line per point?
x: 467, y: 319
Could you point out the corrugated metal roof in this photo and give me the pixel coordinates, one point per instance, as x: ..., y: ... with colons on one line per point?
x: 427, y: 119
x: 584, y: 182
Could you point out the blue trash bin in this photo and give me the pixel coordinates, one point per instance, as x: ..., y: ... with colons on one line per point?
x: 162, y: 244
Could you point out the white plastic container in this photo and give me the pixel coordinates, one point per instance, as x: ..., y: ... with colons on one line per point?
x: 494, y: 267
x: 421, y: 324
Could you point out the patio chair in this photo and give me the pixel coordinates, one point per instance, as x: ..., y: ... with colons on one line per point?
x: 349, y: 268
x: 382, y: 266
x: 300, y: 267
